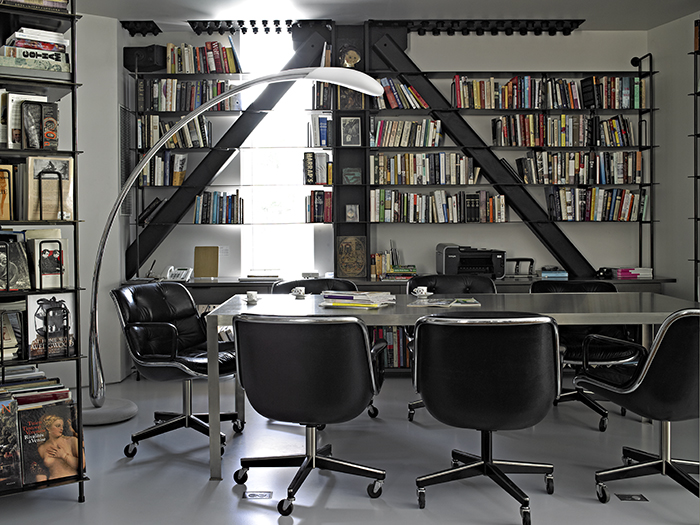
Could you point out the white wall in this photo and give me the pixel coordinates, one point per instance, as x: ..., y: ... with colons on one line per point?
x: 670, y: 45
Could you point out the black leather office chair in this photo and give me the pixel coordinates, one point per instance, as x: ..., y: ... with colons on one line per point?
x: 487, y: 371
x: 662, y: 386
x: 315, y: 285
x: 166, y: 338
x: 445, y: 284
x: 312, y: 371
x: 571, y: 339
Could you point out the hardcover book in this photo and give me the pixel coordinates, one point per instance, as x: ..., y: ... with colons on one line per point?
x: 14, y: 268
x: 6, y: 191
x: 48, y: 268
x: 10, y: 465
x: 50, y: 324
x: 49, y: 188
x: 14, y: 113
x: 48, y: 441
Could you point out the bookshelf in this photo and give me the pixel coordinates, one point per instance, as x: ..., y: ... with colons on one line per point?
x: 695, y: 95
x: 45, y: 307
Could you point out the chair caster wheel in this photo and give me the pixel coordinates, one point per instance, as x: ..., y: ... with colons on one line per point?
x: 549, y: 483
x: 240, y: 476
x: 130, y: 450
x: 623, y: 411
x: 372, y: 411
x: 601, y: 491
x: 421, y: 498
x: 320, y: 428
x: 525, y: 515
x: 238, y: 426
x: 603, y: 424
x: 411, y: 413
x: 454, y: 463
x: 285, y: 507
x: 375, y: 489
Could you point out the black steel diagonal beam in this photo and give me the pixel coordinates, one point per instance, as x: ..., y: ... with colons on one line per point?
x: 180, y: 202
x: 517, y: 197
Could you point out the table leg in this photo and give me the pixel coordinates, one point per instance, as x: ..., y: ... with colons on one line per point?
x: 213, y: 395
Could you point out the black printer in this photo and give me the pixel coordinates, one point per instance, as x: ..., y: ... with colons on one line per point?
x: 453, y: 260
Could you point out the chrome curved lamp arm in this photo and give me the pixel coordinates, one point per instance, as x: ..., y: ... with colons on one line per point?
x: 346, y: 77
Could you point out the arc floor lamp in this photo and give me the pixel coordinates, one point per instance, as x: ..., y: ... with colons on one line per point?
x: 123, y: 409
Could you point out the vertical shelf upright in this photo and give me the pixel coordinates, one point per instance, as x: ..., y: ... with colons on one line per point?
x: 695, y: 94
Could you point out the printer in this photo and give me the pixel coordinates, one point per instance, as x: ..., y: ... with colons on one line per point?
x: 452, y: 260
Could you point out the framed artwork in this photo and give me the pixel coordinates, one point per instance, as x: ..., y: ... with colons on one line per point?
x: 350, y: 131
x: 350, y: 99
x: 351, y: 256
x: 352, y: 176
x: 352, y: 213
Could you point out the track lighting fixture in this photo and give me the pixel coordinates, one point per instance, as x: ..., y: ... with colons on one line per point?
x: 141, y: 27
x: 507, y: 27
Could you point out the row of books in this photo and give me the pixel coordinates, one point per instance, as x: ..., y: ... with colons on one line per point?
x: 596, y: 204
x: 196, y: 134
x: 39, y: 189
x: 397, y: 354
x: 527, y: 92
x: 319, y: 206
x: 436, y: 207
x: 168, y: 170
x: 60, y: 6
x: 320, y: 131
x: 540, y: 130
x: 398, y: 95
x: 218, y: 207
x: 321, y: 92
x: 318, y: 169
x: 36, y: 49
x: 37, y: 418
x: 635, y: 273
x: 580, y: 167
x: 423, y: 168
x: 395, y: 133
x: 38, y: 327
x: 212, y: 57
x: 172, y: 94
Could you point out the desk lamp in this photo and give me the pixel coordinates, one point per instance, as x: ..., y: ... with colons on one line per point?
x: 346, y: 77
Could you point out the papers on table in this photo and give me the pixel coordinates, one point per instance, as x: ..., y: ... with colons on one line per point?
x: 355, y: 299
x: 445, y: 303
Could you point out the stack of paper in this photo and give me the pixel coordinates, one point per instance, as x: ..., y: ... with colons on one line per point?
x: 338, y: 299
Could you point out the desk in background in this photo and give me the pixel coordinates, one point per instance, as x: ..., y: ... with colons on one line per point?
x: 642, y: 308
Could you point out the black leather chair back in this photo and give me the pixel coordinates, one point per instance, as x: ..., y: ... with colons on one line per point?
x: 665, y: 384
x: 315, y: 285
x: 487, y: 370
x: 455, y: 284
x: 308, y: 370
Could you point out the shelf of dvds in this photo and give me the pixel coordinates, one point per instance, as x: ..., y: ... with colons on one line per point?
x: 41, y: 419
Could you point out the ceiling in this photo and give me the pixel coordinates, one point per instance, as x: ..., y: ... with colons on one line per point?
x: 609, y: 15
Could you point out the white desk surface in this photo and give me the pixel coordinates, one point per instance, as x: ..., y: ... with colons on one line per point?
x: 642, y: 308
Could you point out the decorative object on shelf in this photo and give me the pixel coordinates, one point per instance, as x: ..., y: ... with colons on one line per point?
x: 351, y: 254
x: 352, y: 212
x: 340, y: 76
x: 352, y: 176
x: 350, y: 131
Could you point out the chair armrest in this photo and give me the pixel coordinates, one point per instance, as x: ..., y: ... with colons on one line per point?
x: 602, y: 348
x: 377, y: 354
x: 152, y: 341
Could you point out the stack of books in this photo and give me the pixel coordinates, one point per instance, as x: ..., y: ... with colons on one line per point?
x: 400, y: 273
x: 36, y: 49
x: 367, y: 300
x: 635, y: 273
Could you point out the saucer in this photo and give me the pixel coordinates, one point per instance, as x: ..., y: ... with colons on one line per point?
x: 421, y: 294
x: 299, y: 296
x: 245, y: 300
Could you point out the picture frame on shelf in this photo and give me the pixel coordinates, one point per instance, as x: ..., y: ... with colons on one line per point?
x: 350, y: 99
x: 351, y: 256
x: 352, y: 176
x: 350, y: 130
x: 352, y: 213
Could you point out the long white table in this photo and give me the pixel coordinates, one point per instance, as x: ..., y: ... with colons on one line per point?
x: 634, y: 308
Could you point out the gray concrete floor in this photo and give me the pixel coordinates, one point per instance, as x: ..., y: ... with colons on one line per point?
x: 168, y: 479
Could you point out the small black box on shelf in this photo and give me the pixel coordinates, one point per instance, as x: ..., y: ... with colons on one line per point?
x: 145, y: 59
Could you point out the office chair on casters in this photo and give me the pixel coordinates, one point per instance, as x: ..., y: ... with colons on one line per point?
x: 166, y: 338
x: 312, y: 371
x: 662, y: 386
x: 314, y: 285
x: 571, y: 338
x: 487, y: 371
x: 445, y: 284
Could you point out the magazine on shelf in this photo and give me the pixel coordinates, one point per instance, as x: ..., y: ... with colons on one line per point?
x: 50, y: 325
x: 10, y: 465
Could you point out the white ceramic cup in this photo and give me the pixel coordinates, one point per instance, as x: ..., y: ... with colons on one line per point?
x: 420, y: 290
x: 252, y: 296
x: 299, y: 290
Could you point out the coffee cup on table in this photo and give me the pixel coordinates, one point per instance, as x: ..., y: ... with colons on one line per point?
x: 252, y: 297
x: 299, y: 291
x: 420, y: 290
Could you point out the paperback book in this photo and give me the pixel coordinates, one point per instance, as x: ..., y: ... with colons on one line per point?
x: 50, y: 325
x: 10, y: 465
x: 49, y: 188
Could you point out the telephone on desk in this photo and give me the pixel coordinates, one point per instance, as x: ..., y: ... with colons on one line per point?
x: 178, y: 274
